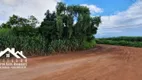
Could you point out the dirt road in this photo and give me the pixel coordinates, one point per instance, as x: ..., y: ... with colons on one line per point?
x: 105, y: 62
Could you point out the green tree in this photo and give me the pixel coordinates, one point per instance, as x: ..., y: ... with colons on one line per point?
x: 16, y: 21
x: 33, y: 21
x: 60, y: 25
x: 48, y: 26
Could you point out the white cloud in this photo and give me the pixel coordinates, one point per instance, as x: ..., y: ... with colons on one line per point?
x: 25, y: 8
x: 93, y: 8
x: 131, y: 18
x: 9, y: 2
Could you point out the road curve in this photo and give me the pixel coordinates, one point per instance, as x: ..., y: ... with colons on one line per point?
x: 105, y: 62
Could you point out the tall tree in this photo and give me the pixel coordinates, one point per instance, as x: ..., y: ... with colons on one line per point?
x: 60, y: 25
x: 48, y: 26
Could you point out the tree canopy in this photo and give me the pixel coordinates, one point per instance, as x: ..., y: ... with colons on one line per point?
x: 69, y: 22
x: 16, y: 21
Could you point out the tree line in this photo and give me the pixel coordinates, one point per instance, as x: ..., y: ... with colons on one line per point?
x: 66, y: 29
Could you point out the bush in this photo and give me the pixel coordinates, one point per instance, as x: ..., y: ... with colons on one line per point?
x: 88, y: 44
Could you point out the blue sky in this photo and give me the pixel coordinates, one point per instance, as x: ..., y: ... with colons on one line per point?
x: 119, y: 17
x: 109, y: 6
x: 113, y: 10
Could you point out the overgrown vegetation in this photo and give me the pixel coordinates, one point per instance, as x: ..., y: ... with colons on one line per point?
x: 69, y: 28
x: 123, y: 41
x: 30, y: 45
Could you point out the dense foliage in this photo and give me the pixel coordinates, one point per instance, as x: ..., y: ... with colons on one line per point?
x: 60, y: 25
x: 123, y: 41
x: 69, y: 28
x: 30, y: 45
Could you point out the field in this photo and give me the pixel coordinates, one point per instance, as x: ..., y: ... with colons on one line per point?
x: 123, y: 41
x: 105, y: 62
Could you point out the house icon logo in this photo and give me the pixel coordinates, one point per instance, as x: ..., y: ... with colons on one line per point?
x: 17, y: 54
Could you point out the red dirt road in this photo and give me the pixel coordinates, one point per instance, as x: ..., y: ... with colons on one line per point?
x: 105, y: 62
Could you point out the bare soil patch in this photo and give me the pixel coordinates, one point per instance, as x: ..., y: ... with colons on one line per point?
x: 105, y: 62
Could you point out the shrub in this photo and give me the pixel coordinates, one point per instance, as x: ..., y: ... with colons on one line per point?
x: 88, y: 44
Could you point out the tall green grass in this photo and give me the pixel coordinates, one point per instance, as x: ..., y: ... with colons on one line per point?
x: 30, y: 45
x: 70, y: 45
x: 38, y: 45
x: 123, y: 41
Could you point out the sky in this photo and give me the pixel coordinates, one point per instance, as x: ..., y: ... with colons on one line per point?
x: 119, y: 17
